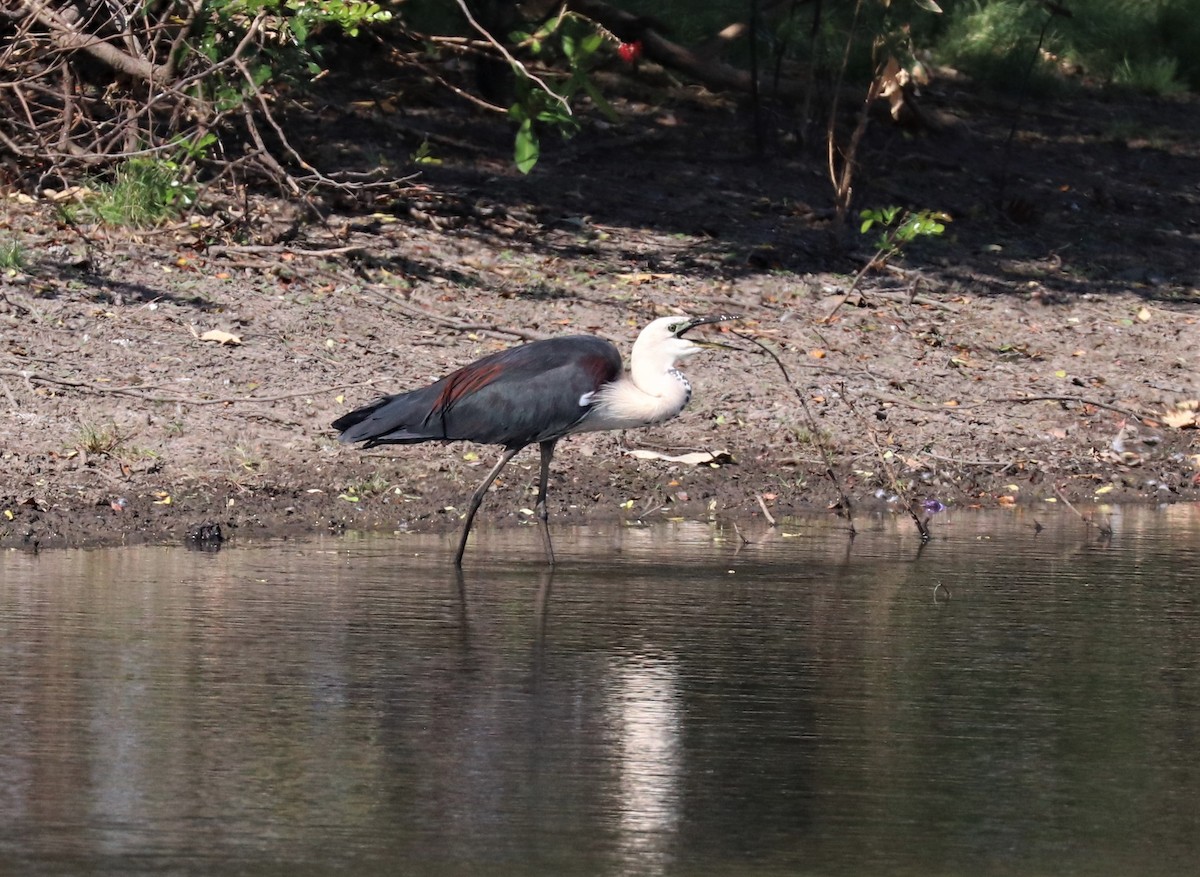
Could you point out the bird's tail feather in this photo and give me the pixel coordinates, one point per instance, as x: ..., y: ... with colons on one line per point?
x: 401, y: 419
x: 356, y: 426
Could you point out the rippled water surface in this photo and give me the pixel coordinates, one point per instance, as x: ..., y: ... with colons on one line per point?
x: 670, y: 702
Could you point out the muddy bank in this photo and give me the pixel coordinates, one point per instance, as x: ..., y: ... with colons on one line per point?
x: 1006, y: 363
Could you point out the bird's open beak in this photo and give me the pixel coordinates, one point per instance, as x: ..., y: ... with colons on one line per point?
x: 702, y: 321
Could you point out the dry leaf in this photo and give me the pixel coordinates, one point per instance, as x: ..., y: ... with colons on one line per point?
x: 71, y: 193
x: 637, y: 278
x: 221, y: 337
x: 1183, y: 415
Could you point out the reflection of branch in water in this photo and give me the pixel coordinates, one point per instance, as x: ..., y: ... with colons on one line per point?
x: 893, y: 481
x: 1105, y: 528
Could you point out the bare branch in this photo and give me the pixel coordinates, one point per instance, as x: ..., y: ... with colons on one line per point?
x: 67, y: 36
x: 511, y: 60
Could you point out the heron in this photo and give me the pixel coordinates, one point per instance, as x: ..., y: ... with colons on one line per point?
x: 538, y: 392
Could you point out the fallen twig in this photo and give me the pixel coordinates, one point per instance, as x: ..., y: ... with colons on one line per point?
x: 1000, y: 465
x: 223, y: 249
x: 452, y: 323
x: 100, y: 390
x: 1081, y: 400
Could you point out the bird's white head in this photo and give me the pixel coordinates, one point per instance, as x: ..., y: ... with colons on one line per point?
x: 661, y: 344
x: 654, y: 390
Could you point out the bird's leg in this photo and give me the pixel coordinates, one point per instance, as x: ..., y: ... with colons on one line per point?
x: 477, y: 498
x: 542, y: 513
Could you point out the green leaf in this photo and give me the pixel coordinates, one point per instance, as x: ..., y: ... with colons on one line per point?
x: 929, y: 5
x: 555, y: 115
x: 548, y: 28
x: 592, y: 42
x: 527, y: 149
x: 598, y: 99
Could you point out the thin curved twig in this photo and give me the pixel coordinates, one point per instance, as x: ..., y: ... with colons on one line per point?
x: 843, y: 497
x: 541, y: 83
x: 99, y: 390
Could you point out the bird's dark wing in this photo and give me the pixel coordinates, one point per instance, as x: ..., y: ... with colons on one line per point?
x: 530, y: 393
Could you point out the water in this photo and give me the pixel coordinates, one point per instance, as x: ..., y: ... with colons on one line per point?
x: 671, y: 702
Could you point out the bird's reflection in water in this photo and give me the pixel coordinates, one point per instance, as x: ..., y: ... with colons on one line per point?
x: 646, y: 720
x: 540, y: 610
x: 642, y: 718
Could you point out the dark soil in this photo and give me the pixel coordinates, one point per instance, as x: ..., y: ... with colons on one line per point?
x: 1035, y: 352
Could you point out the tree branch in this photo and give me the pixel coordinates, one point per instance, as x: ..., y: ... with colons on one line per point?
x: 714, y: 74
x: 69, y: 38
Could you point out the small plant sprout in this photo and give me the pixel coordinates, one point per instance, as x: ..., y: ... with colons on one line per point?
x: 12, y: 256
x: 424, y: 155
x: 98, y: 440
x: 900, y: 228
x: 144, y: 192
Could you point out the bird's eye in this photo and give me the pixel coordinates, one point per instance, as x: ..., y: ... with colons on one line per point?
x: 675, y: 328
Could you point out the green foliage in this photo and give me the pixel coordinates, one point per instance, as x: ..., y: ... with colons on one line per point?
x: 292, y: 22
x: 147, y: 190
x: 995, y: 42
x: 376, y: 485
x: 1178, y: 27
x: 900, y: 228
x: 187, y: 73
x: 292, y: 47
x: 1158, y: 77
x: 423, y: 154
x: 99, y: 440
x: 575, y: 41
x: 12, y: 255
x: 1149, y: 46
x: 144, y: 192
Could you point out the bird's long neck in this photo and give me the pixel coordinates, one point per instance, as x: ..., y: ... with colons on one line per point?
x: 652, y: 391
